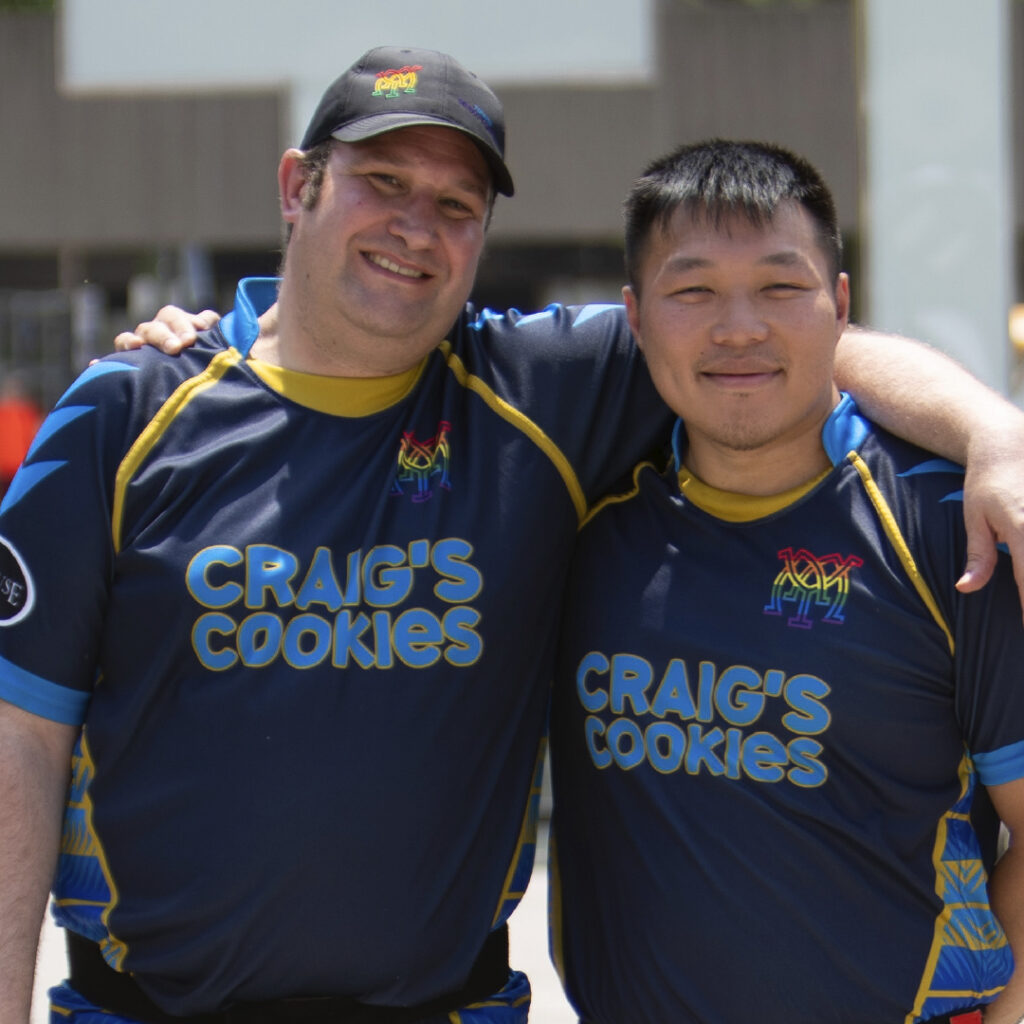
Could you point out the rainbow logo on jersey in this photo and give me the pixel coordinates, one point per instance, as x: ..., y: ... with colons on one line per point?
x: 808, y: 581
x: 394, y: 81
x: 420, y: 461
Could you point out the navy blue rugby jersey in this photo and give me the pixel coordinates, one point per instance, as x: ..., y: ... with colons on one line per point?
x: 769, y: 723
x: 308, y: 626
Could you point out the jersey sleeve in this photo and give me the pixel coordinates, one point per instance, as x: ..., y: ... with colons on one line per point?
x: 985, y: 631
x: 989, y: 664
x: 576, y: 372
x: 56, y: 547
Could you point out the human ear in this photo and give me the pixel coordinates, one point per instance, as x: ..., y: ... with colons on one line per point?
x: 842, y: 301
x: 291, y: 180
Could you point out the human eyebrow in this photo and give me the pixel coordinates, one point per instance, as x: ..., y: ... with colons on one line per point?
x: 368, y: 157
x: 681, y: 264
x: 785, y: 258
x: 395, y: 164
x: 474, y: 187
x: 482, y: 189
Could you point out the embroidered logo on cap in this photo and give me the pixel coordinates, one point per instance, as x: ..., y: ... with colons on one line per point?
x: 397, y: 80
x: 480, y: 115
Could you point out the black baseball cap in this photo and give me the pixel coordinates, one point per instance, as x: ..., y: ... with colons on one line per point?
x: 397, y: 86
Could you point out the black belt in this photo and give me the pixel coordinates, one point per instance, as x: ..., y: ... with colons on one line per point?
x: 119, y: 993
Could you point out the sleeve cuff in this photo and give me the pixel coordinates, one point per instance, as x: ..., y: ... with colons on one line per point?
x: 40, y: 697
x: 1003, y: 765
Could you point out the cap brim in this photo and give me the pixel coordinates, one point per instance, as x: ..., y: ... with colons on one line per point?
x: 378, y: 124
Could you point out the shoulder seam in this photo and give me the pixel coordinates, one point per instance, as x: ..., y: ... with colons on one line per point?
x: 521, y: 422
x: 154, y: 430
x: 616, y: 499
x: 899, y: 543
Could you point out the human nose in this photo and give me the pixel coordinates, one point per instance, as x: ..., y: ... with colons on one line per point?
x: 739, y: 322
x: 415, y: 222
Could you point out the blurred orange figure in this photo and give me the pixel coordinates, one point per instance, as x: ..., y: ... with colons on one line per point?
x: 20, y: 418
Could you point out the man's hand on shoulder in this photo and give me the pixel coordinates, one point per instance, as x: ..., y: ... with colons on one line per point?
x: 172, y: 330
x: 994, y: 501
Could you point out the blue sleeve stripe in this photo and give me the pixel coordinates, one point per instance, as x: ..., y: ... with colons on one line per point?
x: 934, y: 466
x: 482, y: 318
x: 41, y: 697
x: 55, y: 423
x: 100, y: 369
x: 593, y: 309
x: 26, y: 478
x: 1003, y: 765
x: 532, y: 318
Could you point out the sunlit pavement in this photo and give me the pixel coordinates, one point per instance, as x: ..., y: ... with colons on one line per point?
x: 51, y: 967
x: 528, y: 946
x: 528, y: 942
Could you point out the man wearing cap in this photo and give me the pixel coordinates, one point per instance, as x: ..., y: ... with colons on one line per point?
x: 294, y: 632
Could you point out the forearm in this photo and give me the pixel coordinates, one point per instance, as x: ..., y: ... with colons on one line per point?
x: 33, y: 780
x: 925, y: 397
x: 928, y: 399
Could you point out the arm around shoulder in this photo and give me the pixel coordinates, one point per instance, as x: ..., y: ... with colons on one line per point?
x: 35, y: 759
x: 929, y: 399
x: 171, y: 330
x: 921, y: 394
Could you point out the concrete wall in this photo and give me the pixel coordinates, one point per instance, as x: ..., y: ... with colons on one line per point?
x: 116, y: 170
x: 123, y: 171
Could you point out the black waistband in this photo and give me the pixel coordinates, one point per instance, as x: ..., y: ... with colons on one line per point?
x: 94, y: 979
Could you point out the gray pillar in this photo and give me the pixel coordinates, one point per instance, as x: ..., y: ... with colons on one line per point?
x: 936, y: 205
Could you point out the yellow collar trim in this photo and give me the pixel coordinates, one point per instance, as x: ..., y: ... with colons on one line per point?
x: 337, y: 396
x: 741, y: 508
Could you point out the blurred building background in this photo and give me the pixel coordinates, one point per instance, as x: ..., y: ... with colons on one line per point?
x: 139, y: 142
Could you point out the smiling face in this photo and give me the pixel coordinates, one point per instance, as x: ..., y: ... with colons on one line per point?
x: 379, y: 268
x: 739, y: 325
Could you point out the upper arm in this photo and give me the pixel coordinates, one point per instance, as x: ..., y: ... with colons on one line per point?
x: 1008, y: 800
x: 35, y: 761
x: 56, y: 546
x: 31, y: 738
x: 921, y: 394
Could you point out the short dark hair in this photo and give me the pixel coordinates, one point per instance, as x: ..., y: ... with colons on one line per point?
x: 720, y: 178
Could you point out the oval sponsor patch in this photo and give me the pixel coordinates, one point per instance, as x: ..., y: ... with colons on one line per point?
x: 17, y: 593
